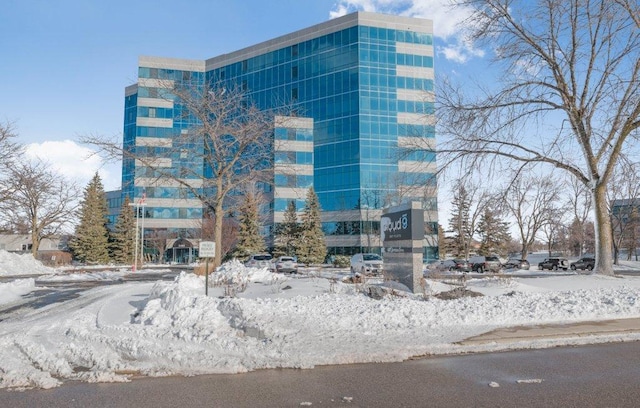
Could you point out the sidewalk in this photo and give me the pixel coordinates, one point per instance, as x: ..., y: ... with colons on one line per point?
x: 555, y: 331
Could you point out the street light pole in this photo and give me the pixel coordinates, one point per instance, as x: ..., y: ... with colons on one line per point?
x: 139, y: 238
x: 142, y: 203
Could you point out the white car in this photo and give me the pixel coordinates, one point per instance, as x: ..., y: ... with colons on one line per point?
x: 286, y: 264
x: 367, y: 264
x: 260, y: 261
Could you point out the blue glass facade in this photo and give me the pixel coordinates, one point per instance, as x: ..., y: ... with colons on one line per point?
x: 365, y: 79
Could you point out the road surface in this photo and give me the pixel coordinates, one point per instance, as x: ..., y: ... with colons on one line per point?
x: 589, y: 376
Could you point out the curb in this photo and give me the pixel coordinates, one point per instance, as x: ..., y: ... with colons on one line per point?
x: 555, y: 331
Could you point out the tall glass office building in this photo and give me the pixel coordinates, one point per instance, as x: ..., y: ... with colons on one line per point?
x: 364, y: 81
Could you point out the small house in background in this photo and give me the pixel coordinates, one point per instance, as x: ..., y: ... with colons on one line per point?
x: 52, y: 251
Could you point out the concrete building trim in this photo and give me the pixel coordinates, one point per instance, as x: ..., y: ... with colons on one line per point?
x: 408, y: 166
x: 414, y: 72
x: 414, y: 49
x: 290, y: 169
x: 410, y: 118
x: 166, y: 182
x: 341, y: 23
x: 154, y: 162
x: 154, y: 141
x: 131, y: 90
x: 156, y: 83
x: 293, y: 146
x: 154, y: 122
x: 174, y: 202
x: 171, y: 63
x: 414, y: 95
x: 155, y: 103
x: 164, y: 223
x: 293, y: 122
x: 417, y: 142
x: 290, y: 192
x: 414, y: 191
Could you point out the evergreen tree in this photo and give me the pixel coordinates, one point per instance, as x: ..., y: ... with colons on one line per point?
x: 459, y: 223
x: 311, y: 245
x: 494, y: 233
x: 91, y: 241
x: 124, y: 236
x: 288, y: 232
x: 249, y: 239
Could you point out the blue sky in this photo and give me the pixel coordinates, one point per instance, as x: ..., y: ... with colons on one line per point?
x: 65, y: 63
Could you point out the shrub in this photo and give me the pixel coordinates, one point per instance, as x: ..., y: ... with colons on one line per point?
x: 341, y: 261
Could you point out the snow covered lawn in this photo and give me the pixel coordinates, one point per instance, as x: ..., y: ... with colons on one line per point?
x: 270, y: 320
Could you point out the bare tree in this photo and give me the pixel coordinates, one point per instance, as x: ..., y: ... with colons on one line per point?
x: 581, y: 204
x: 568, y: 97
x: 228, y: 144
x: 555, y: 236
x: 40, y: 202
x: 532, y: 202
x: 623, y: 196
x: 8, y: 151
x: 8, y: 148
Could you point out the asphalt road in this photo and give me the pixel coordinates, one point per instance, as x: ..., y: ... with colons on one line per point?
x: 591, y: 376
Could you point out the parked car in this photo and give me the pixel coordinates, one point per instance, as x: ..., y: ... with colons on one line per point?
x: 260, y: 261
x: 286, y: 264
x: 554, y: 264
x: 515, y: 263
x: 367, y: 264
x: 460, y: 265
x: 481, y: 264
x: 584, y: 263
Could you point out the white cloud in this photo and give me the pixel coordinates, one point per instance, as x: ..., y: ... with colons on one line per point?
x: 447, y: 21
x: 75, y: 162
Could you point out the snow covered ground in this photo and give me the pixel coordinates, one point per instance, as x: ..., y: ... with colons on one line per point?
x: 253, y: 319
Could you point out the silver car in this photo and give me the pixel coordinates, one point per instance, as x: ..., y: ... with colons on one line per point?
x: 367, y: 264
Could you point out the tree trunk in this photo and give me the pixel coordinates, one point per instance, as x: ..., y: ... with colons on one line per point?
x: 35, y: 244
x: 35, y: 240
x: 217, y: 232
x: 604, y: 255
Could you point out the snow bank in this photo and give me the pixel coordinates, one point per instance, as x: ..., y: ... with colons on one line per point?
x: 12, y: 291
x: 16, y: 264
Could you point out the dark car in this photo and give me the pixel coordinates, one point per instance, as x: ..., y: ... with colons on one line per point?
x: 554, y: 264
x: 584, y: 263
x: 460, y: 265
x: 517, y: 264
x: 481, y: 264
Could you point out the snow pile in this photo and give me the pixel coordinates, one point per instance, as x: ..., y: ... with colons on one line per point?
x: 13, y: 291
x: 234, y: 272
x: 269, y: 321
x: 25, y: 264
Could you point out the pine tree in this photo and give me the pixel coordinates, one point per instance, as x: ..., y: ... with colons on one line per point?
x: 311, y: 245
x: 124, y: 236
x: 494, y: 233
x: 459, y: 223
x: 91, y: 241
x: 288, y: 232
x: 249, y: 239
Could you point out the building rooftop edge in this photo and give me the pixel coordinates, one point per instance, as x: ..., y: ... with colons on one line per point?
x: 337, y: 24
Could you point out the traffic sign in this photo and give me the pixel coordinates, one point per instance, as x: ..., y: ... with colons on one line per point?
x: 207, y: 249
